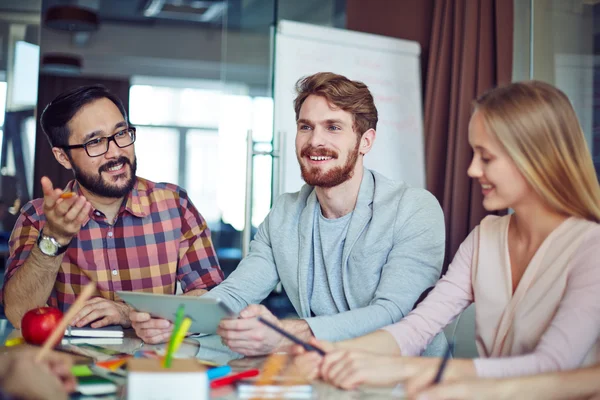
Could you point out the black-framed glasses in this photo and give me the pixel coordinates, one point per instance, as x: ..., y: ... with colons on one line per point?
x: 99, y: 146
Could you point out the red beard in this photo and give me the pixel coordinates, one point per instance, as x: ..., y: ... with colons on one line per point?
x: 335, y: 176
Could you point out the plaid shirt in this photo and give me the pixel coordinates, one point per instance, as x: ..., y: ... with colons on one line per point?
x: 158, y: 238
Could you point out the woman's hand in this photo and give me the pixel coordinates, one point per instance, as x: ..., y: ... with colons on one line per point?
x: 308, y: 363
x: 457, y: 369
x: 348, y: 369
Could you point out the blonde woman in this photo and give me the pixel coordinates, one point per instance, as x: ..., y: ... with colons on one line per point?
x: 534, y: 274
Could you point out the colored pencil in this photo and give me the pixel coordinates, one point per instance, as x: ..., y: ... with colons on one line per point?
x: 228, y: 380
x: 307, y: 346
x: 440, y: 372
x: 59, y: 330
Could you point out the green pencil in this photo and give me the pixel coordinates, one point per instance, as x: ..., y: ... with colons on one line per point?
x: 170, y: 347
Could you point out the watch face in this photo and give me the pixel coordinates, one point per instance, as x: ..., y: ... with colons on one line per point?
x: 47, y: 247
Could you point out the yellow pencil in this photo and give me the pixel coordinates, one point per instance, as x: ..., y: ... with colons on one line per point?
x: 180, y: 335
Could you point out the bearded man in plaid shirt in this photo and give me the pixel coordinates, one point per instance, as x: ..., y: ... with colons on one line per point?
x: 118, y: 230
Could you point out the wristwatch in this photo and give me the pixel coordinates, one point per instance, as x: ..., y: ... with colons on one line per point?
x: 49, y: 246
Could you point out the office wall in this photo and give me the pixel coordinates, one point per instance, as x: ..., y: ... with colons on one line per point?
x: 403, y: 19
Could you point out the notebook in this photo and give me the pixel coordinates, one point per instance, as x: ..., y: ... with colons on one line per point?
x: 99, y: 341
x: 95, y: 385
x: 92, y: 381
x: 111, y: 331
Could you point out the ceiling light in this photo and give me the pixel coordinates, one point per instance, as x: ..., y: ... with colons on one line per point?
x: 71, y: 18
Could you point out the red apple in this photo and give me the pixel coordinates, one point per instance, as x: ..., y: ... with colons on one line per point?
x: 38, y: 324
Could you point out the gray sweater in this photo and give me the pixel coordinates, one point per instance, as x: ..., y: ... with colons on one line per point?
x: 393, y: 251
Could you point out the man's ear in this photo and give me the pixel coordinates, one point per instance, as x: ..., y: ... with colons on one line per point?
x: 61, y: 157
x: 366, y: 141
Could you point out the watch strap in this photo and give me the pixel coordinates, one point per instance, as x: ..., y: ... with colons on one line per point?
x: 59, y: 248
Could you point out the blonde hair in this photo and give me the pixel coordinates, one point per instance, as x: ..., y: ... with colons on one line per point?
x: 537, y: 126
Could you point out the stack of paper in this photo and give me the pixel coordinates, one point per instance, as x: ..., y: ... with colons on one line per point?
x: 295, y: 391
x: 111, y: 331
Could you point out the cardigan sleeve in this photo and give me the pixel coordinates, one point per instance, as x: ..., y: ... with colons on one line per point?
x: 451, y: 295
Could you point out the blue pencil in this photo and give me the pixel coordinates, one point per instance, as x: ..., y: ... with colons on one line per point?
x: 307, y: 346
x: 440, y: 372
x: 218, y: 372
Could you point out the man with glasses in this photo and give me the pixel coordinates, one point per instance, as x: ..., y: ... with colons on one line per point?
x: 106, y: 226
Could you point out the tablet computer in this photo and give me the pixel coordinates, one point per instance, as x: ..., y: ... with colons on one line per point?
x: 205, y: 313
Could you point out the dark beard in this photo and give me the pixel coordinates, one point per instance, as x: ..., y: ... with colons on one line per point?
x: 98, y: 186
x: 333, y: 177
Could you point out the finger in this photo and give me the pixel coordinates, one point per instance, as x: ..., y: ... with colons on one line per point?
x: 99, y: 312
x: 84, y: 214
x: 69, y: 383
x: 108, y: 320
x: 135, y: 316
x: 60, y: 365
x: 75, y: 210
x: 154, y: 323
x: 61, y: 369
x: 47, y: 186
x: 239, y: 324
x: 350, y: 377
x: 329, y: 361
x: 326, y: 346
x: 87, y: 309
x: 339, y: 369
x: 155, y: 339
x: 58, y: 360
x: 95, y: 300
x: 240, y: 343
x: 247, y: 334
x: 51, y: 199
x: 308, y: 365
x: 247, y: 348
x: 254, y: 310
x: 298, y: 350
x: 148, y: 333
x: 62, y: 206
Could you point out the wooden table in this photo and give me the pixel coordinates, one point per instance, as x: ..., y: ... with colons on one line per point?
x: 210, y: 348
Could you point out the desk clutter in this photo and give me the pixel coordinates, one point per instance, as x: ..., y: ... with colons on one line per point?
x: 143, y: 374
x: 102, y: 371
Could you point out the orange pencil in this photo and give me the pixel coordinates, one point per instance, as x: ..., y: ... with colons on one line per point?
x: 67, y: 195
x: 85, y: 294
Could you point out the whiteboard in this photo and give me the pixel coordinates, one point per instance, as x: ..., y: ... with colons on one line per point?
x: 389, y: 67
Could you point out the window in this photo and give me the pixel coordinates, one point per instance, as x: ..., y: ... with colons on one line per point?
x: 157, y: 153
x: 196, y: 138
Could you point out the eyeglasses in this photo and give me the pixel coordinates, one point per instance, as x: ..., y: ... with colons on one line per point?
x: 99, y: 146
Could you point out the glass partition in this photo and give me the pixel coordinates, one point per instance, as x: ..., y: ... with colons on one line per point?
x: 557, y: 41
x: 196, y: 77
x: 19, y: 60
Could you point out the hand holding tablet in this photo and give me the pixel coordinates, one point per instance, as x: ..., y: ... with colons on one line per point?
x: 205, y: 312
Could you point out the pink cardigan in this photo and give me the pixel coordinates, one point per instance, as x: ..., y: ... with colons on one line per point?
x: 552, y: 322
